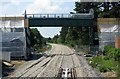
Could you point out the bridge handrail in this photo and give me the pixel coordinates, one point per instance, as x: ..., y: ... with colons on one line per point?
x: 48, y: 15
x: 77, y: 15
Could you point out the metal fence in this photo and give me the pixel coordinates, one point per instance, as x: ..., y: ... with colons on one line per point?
x: 14, y: 43
x: 109, y: 28
x: 49, y: 15
x: 13, y: 39
x: 76, y: 15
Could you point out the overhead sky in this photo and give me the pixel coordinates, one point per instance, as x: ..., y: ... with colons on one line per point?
x: 17, y: 7
x: 49, y: 31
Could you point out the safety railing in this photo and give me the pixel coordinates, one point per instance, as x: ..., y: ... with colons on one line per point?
x: 77, y: 15
x: 48, y: 15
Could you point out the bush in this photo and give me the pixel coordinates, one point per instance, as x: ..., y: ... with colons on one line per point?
x: 107, y: 49
x: 102, y: 68
x: 104, y: 64
x: 112, y: 52
x: 106, y: 58
x: 96, y: 61
x: 117, y: 55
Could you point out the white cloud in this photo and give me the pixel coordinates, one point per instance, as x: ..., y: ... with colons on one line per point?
x: 43, y: 6
x: 9, y: 2
x: 1, y: 10
x: 15, y: 2
x: 47, y: 6
x: 6, y: 5
x: 34, y: 6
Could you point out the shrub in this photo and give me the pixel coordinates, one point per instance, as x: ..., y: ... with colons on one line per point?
x: 107, y: 48
x: 117, y: 55
x: 104, y: 63
x: 102, y: 68
x: 112, y: 52
x: 106, y: 58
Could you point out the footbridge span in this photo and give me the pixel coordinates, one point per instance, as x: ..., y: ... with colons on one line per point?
x: 78, y: 19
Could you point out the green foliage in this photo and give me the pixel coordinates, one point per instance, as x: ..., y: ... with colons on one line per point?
x: 117, y: 55
x: 55, y: 39
x: 106, y: 58
x: 101, y: 9
x: 63, y: 34
x: 110, y: 61
x: 103, y: 64
x: 49, y: 40
x: 112, y: 52
x: 37, y: 41
x: 73, y: 36
x: 107, y: 49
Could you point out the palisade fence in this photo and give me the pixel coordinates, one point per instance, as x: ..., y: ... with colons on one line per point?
x: 106, y: 38
x: 13, y: 39
x: 109, y: 28
x: 13, y: 44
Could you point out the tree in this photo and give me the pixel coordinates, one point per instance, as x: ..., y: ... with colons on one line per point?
x: 109, y: 9
x: 37, y: 40
x: 55, y: 38
x: 63, y: 34
x: 49, y: 40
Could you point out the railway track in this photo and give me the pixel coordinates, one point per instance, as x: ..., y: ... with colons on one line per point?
x: 61, y: 63
x: 66, y: 73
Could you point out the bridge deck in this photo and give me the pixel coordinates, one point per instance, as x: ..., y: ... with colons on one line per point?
x: 39, y: 20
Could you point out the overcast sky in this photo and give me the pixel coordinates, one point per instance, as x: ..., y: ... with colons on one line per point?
x: 17, y: 7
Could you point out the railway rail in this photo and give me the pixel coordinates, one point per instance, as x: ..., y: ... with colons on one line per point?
x: 61, y: 63
x: 66, y: 73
